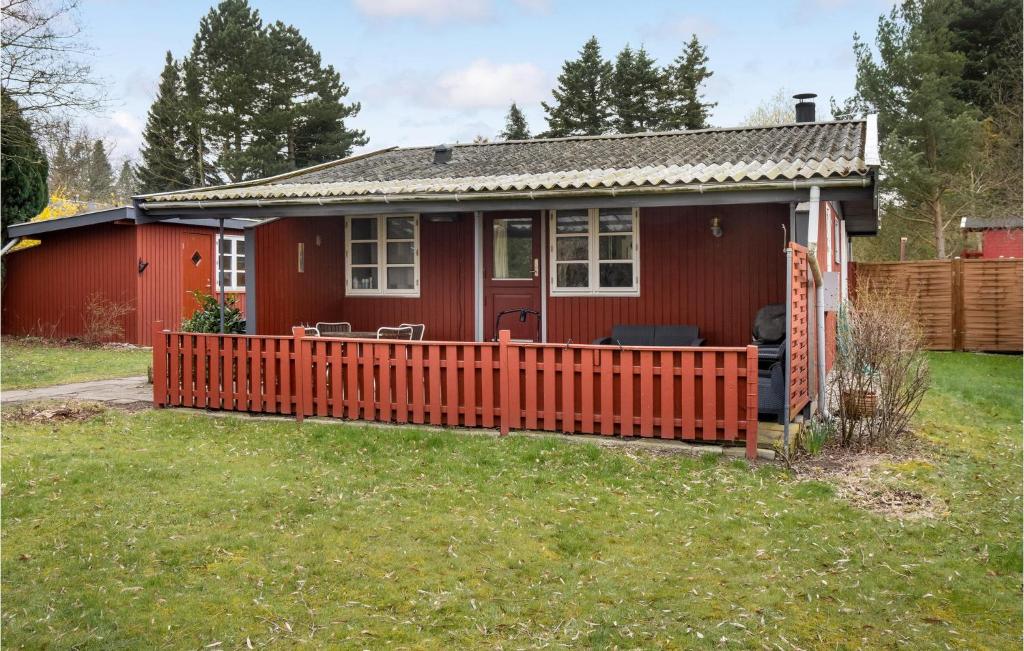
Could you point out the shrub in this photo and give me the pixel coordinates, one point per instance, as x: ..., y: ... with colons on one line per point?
x: 104, y: 319
x: 880, y: 373
x: 207, y: 317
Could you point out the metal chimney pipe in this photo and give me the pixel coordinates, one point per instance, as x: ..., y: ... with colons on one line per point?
x: 805, y: 107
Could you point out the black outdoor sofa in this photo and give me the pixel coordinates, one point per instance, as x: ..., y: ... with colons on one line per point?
x: 652, y: 335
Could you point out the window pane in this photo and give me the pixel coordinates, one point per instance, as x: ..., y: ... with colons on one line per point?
x: 240, y: 263
x: 364, y: 228
x: 364, y: 253
x: 364, y: 278
x: 240, y: 279
x: 240, y: 247
x: 400, y: 228
x: 571, y: 221
x: 225, y: 279
x: 615, y: 220
x: 225, y: 245
x: 618, y: 274
x: 616, y: 247
x: 400, y: 278
x: 572, y: 275
x: 513, y: 248
x: 401, y: 252
x: 571, y: 248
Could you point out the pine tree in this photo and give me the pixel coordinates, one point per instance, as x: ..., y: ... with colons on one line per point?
x: 635, y: 92
x: 127, y: 184
x: 232, y: 59
x: 23, y: 167
x: 928, y: 134
x: 201, y: 170
x: 683, y: 102
x: 164, y: 160
x: 582, y: 98
x: 99, y: 175
x: 304, y: 121
x: 516, y: 127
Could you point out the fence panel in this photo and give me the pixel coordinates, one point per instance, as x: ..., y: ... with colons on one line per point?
x: 960, y: 304
x: 992, y: 305
x: 696, y: 394
x: 800, y: 306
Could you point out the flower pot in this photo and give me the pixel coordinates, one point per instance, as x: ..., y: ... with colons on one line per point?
x: 859, y: 403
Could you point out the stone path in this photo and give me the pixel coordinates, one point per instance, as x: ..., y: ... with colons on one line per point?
x: 118, y: 391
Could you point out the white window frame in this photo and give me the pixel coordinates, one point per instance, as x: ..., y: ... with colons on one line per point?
x: 233, y: 287
x: 593, y: 262
x: 382, y: 265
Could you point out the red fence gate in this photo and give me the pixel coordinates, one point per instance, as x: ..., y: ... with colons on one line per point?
x: 693, y: 394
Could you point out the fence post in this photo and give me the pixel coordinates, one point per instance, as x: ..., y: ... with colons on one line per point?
x: 751, y: 415
x: 958, y: 303
x: 504, y: 378
x: 301, y: 376
x: 159, y: 365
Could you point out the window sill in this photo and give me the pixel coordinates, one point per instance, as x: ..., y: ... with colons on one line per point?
x: 350, y: 294
x: 632, y: 293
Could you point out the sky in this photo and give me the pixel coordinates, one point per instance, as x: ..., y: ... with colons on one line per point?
x: 433, y: 71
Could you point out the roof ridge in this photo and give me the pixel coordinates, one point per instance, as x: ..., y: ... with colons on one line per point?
x: 643, y: 134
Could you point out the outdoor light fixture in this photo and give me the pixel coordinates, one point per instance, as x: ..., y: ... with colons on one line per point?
x: 142, y: 265
x: 716, y: 227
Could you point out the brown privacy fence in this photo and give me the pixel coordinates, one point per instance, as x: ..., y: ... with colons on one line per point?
x: 692, y: 394
x: 960, y: 304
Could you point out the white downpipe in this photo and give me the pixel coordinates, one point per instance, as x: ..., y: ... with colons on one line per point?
x: 813, y: 215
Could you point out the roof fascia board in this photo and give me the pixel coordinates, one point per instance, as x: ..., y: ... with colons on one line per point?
x: 28, y: 229
x: 684, y: 199
x: 872, y: 158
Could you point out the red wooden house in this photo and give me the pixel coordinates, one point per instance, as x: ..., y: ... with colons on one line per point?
x: 696, y: 227
x: 152, y: 268
x: 993, y: 237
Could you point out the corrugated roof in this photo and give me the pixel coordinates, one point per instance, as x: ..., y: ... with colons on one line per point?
x: 708, y: 156
x: 983, y: 223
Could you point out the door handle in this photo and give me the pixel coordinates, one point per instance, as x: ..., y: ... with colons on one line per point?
x: 536, y: 268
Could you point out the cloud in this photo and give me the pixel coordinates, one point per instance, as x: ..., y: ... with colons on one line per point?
x: 484, y: 84
x: 681, y: 27
x: 434, y: 11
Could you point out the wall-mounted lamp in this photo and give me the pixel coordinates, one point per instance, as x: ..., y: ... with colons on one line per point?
x: 716, y: 227
x: 142, y: 265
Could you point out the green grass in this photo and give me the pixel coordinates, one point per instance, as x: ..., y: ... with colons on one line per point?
x: 161, y: 529
x: 26, y: 363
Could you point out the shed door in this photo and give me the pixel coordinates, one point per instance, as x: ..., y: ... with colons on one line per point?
x: 196, y: 269
x: 512, y: 272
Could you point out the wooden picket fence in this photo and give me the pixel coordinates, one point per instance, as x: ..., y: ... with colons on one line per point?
x: 692, y: 394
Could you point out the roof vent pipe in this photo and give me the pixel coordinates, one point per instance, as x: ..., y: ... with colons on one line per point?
x: 442, y: 154
x: 804, y: 107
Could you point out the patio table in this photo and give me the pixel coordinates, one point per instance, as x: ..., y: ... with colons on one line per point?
x: 355, y: 334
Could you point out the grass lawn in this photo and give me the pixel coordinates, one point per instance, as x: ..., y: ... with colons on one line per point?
x: 159, y: 529
x: 26, y: 363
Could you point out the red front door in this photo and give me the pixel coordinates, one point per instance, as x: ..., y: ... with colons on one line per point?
x: 196, y: 269
x: 512, y: 273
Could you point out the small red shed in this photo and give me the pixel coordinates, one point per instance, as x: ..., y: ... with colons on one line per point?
x: 993, y: 237
x: 151, y: 268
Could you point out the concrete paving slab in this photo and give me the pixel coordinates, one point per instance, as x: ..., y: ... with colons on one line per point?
x: 117, y: 391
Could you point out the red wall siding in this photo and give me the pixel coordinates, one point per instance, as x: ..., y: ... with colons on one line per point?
x: 47, y: 287
x: 1003, y: 243
x: 160, y: 289
x: 687, y: 276
x: 286, y: 297
x: 445, y: 304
